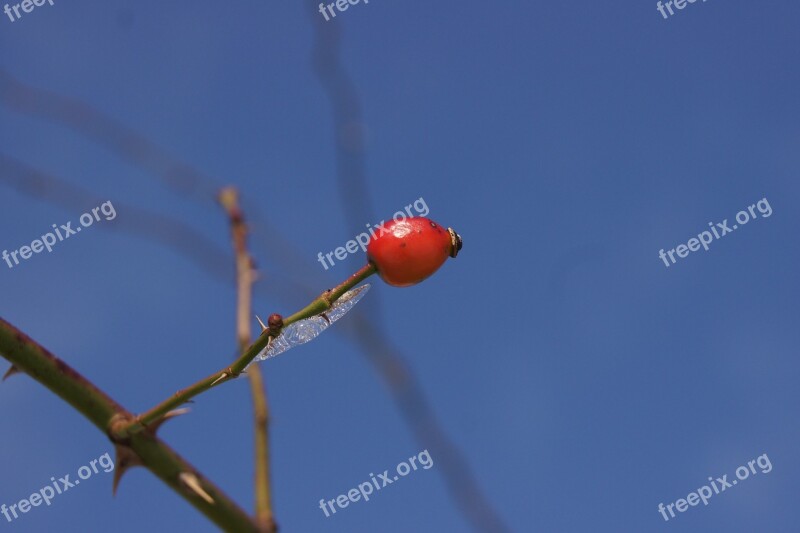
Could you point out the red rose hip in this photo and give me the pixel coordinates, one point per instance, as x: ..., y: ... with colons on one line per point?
x: 406, y: 252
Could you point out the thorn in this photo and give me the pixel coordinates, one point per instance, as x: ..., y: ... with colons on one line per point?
x: 126, y: 459
x: 176, y: 412
x: 220, y: 378
x: 155, y: 426
x: 263, y: 327
x: 191, y: 481
x: 11, y: 371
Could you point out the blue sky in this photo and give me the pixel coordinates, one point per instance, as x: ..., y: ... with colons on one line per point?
x: 583, y: 381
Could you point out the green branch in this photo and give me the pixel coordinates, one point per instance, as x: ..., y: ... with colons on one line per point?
x: 29, y: 357
x: 321, y: 304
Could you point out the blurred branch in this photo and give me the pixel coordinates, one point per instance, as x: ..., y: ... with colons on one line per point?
x: 245, y: 277
x: 93, y: 124
x: 29, y: 357
x: 348, y: 133
x: 151, y: 225
x: 179, y: 176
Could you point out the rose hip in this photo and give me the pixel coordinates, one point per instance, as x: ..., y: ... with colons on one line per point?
x: 406, y: 252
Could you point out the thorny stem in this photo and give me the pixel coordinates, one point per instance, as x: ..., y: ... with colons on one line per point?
x: 321, y: 304
x: 245, y: 277
x: 29, y: 357
x: 327, y: 298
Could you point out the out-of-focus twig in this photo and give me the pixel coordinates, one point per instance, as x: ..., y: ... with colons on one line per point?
x: 353, y: 191
x: 89, y: 122
x: 153, y: 226
x: 245, y: 277
x: 179, y: 176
